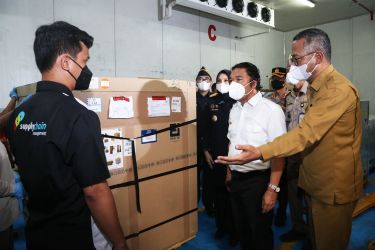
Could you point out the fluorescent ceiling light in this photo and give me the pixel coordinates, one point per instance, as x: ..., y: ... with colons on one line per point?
x: 308, y: 3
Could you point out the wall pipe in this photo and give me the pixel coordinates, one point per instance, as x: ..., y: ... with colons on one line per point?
x: 366, y: 8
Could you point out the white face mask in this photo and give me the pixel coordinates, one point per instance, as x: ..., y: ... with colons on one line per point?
x: 237, y: 90
x: 222, y: 88
x: 204, y: 86
x: 300, y: 72
x: 290, y: 79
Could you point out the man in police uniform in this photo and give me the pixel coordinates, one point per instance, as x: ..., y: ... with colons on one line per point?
x: 204, y: 81
x: 59, y: 150
x: 277, y: 82
x: 279, y: 96
x: 329, y: 137
x: 296, y: 103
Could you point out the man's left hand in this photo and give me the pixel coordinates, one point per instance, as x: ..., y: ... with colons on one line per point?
x: 248, y: 154
x: 268, y: 201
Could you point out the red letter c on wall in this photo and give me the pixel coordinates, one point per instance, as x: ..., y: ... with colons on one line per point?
x: 211, y: 36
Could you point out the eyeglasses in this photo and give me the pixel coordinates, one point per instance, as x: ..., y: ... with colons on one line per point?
x: 295, y: 60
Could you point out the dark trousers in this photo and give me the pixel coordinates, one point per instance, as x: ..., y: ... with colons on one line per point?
x: 206, y: 181
x: 254, y: 227
x: 223, y: 207
x: 282, y: 196
x: 295, y: 194
x: 6, y: 239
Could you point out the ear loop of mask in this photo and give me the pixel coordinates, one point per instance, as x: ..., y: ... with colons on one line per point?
x: 77, y: 65
x: 251, y: 89
x: 314, y: 66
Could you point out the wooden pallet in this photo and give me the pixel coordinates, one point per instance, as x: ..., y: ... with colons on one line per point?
x: 364, y: 203
x: 177, y: 245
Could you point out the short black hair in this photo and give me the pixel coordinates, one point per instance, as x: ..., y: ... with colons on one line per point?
x: 55, y: 39
x: 251, y: 70
x: 315, y: 39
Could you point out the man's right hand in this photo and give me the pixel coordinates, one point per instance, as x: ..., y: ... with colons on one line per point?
x: 248, y: 154
x: 209, y: 159
x: 228, y: 179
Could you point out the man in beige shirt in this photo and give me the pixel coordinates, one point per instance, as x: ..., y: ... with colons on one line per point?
x: 329, y: 137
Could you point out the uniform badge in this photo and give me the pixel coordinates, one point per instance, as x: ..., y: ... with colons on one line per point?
x: 214, y: 118
x: 302, y: 105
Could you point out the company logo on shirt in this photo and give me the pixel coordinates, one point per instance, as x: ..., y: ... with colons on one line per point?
x: 37, y: 128
x: 18, y: 120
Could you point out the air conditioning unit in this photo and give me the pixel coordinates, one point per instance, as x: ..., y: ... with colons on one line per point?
x: 239, y: 10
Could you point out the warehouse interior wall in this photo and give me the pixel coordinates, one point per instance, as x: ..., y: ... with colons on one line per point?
x: 353, y: 52
x: 131, y: 41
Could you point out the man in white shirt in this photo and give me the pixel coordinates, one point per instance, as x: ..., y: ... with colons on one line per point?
x: 253, y: 120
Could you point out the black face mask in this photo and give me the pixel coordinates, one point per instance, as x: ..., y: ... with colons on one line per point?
x: 277, y: 84
x: 84, y: 78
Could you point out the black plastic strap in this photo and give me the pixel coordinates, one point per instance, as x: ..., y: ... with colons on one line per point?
x: 136, y: 181
x: 130, y: 183
x: 159, y: 224
x: 134, y: 158
x: 172, y: 126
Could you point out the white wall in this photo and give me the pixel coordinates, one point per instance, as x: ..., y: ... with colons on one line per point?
x: 353, y: 52
x: 130, y: 40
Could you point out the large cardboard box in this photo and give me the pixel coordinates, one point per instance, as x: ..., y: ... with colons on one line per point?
x: 166, y: 168
x: 167, y: 175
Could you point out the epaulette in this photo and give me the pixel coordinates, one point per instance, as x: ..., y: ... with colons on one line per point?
x: 213, y: 95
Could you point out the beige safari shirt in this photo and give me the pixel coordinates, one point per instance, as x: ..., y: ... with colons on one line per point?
x: 330, y: 138
x: 296, y: 104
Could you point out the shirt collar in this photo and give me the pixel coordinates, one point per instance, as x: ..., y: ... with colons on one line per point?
x: 322, y: 78
x: 54, y: 87
x: 255, y: 99
x: 304, y: 87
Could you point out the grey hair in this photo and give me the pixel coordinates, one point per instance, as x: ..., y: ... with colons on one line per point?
x: 315, y: 39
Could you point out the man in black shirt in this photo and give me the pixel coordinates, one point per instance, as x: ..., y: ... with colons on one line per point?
x: 204, y: 81
x: 59, y: 150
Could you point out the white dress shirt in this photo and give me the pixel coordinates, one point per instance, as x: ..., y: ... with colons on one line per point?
x: 257, y: 122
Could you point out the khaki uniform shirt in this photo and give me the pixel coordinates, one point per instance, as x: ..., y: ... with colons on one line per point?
x: 330, y: 136
x: 296, y: 104
x: 282, y: 102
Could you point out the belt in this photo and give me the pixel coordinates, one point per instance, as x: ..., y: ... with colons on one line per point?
x: 254, y: 173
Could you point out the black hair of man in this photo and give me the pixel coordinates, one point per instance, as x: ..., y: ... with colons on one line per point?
x: 56, y: 39
x: 315, y: 39
x: 251, y: 70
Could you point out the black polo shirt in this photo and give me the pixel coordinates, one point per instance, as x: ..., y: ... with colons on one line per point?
x: 59, y: 150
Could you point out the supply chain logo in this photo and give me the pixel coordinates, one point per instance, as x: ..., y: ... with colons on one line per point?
x: 37, y: 128
x: 18, y: 120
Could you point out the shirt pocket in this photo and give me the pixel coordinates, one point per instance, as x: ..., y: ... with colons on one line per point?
x: 255, y: 135
x: 232, y: 131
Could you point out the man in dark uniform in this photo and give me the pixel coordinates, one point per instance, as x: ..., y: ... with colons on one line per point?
x: 59, y: 150
x: 219, y: 108
x: 203, y: 81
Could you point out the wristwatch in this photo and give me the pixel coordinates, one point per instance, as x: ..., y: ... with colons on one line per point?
x: 274, y: 187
